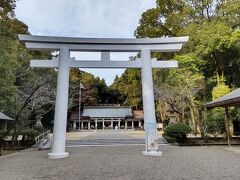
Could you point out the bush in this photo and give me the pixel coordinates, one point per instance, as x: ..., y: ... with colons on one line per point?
x: 30, y: 133
x: 169, y: 139
x: 213, y: 127
x: 215, y: 121
x: 2, y: 133
x: 176, y: 132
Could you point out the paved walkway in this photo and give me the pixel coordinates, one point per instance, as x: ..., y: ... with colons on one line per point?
x: 109, y: 134
x: 124, y: 163
x: 108, y: 138
x: 78, y: 135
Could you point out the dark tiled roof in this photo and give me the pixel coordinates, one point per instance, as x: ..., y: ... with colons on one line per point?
x: 138, y: 114
x: 4, y: 117
x: 107, y: 111
x: 75, y: 115
x: 231, y: 99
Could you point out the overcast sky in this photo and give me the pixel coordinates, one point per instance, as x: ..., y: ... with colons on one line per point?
x: 85, y: 18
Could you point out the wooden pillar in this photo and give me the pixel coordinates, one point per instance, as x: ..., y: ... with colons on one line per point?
x: 119, y: 124
x: 111, y: 123
x: 95, y: 123
x: 81, y: 126
x: 74, y: 125
x: 5, y: 125
x: 227, y: 119
x: 89, y: 125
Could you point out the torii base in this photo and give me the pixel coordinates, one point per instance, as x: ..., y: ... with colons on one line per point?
x: 58, y: 155
x: 152, y: 153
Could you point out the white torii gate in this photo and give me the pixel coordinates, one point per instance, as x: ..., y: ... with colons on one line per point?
x: 104, y: 45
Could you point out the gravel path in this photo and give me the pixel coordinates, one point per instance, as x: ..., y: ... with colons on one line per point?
x: 123, y: 163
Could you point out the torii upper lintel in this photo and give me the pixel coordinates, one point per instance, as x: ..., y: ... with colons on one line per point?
x: 166, y: 44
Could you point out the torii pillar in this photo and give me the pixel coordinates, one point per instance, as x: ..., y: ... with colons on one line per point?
x: 150, y: 125
x: 61, y: 107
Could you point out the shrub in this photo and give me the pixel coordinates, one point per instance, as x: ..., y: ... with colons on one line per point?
x: 212, y: 127
x: 30, y: 133
x: 215, y: 121
x: 176, y: 132
x: 169, y: 139
x: 2, y: 133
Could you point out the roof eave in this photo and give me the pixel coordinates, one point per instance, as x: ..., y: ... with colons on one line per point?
x: 225, y: 103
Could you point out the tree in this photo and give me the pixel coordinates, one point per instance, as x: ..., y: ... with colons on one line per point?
x: 221, y: 89
x: 95, y: 89
x: 212, y: 27
x: 19, y: 85
x: 213, y: 48
x: 128, y: 88
x: 180, y: 88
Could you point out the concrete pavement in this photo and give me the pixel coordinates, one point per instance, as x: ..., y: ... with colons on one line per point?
x: 108, y: 137
x: 124, y: 163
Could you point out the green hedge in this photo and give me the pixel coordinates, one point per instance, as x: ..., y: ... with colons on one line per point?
x: 176, y: 132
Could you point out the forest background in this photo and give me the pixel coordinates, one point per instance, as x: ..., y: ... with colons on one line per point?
x: 209, y: 67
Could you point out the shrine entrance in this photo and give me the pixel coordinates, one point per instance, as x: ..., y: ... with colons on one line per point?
x: 65, y: 45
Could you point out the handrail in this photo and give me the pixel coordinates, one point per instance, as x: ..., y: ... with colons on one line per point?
x: 41, y: 137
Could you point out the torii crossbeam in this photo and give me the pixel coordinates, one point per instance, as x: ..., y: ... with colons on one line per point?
x: 104, y: 45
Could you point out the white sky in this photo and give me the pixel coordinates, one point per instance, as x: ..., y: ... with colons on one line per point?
x: 85, y: 18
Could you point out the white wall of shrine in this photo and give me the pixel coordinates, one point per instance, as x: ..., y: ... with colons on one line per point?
x: 107, y: 123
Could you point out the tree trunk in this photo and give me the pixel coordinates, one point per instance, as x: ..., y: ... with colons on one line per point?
x: 18, y: 113
x: 14, y: 138
x: 192, y: 118
x: 201, y: 120
x: 1, y: 146
x: 227, y: 126
x: 195, y: 115
x: 183, y: 115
